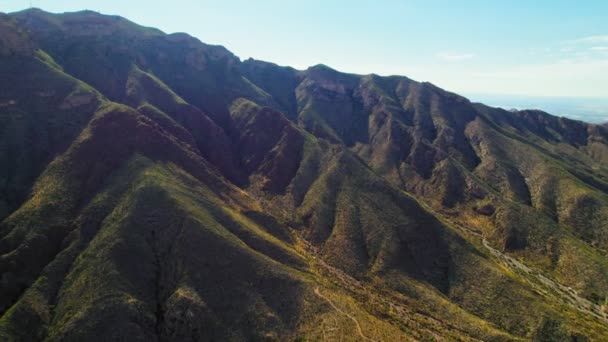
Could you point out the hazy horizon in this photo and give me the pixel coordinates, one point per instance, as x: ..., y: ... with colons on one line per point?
x: 589, y: 109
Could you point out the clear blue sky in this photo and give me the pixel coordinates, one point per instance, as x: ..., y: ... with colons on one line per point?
x: 535, y: 48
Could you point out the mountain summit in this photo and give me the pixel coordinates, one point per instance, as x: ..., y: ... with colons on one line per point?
x: 156, y: 188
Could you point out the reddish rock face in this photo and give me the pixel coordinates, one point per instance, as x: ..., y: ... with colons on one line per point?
x: 275, y: 154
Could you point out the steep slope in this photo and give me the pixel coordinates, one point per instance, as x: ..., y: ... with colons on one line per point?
x: 486, y: 168
x: 359, y: 223
x: 149, y: 233
x: 157, y: 188
x: 101, y: 51
x: 43, y: 110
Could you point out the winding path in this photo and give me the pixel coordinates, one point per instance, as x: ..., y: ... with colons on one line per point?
x: 359, y: 330
x: 564, y: 293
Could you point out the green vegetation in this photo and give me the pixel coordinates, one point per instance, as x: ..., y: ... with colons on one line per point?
x: 156, y: 188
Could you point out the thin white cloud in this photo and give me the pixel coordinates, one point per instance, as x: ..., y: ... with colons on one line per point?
x: 589, y: 40
x: 451, y: 56
x: 574, y: 77
x: 590, y: 47
x: 580, y: 72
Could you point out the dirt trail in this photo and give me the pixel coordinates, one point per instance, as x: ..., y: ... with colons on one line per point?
x: 359, y: 330
x: 542, y: 283
x: 548, y: 286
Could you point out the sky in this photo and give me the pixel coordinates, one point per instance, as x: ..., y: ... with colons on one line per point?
x: 534, y: 48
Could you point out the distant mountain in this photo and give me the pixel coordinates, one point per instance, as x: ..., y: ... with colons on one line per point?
x: 156, y: 188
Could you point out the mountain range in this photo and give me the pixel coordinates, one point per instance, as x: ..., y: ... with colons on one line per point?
x: 156, y: 188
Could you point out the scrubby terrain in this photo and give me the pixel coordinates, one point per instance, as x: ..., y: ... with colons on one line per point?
x: 155, y: 188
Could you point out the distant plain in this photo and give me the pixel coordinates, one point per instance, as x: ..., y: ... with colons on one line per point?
x: 589, y: 109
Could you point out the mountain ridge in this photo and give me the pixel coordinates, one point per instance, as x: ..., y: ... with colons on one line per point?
x: 182, y: 194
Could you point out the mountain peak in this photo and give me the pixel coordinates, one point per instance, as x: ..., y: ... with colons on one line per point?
x: 85, y: 22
